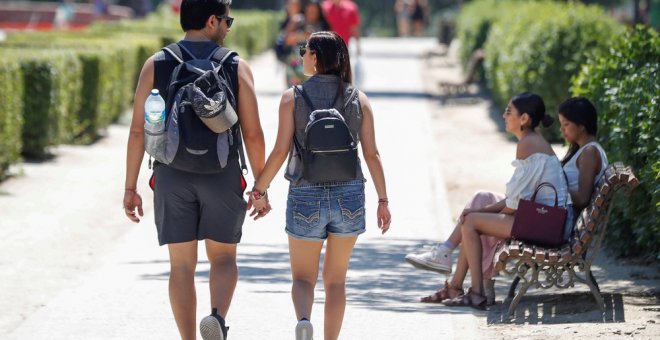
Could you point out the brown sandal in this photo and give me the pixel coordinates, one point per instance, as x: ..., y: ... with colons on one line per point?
x: 442, y: 294
x: 471, y: 299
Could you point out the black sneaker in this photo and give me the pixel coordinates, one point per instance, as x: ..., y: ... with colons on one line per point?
x: 213, y: 327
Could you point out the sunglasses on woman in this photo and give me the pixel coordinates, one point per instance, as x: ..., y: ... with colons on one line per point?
x: 227, y: 18
x: 303, y: 50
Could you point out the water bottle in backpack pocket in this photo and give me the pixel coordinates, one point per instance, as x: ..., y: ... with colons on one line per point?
x: 155, y: 121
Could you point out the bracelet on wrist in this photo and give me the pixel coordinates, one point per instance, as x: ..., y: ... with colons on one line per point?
x: 130, y: 189
x: 383, y: 200
x: 258, y: 195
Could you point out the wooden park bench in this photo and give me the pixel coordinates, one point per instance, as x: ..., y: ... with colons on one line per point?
x: 547, y: 267
x: 462, y: 86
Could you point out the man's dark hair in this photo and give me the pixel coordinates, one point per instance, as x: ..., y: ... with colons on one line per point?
x: 194, y: 13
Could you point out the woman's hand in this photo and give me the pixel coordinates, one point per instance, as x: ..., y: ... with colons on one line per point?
x: 259, y: 204
x: 384, y: 217
x: 465, y: 212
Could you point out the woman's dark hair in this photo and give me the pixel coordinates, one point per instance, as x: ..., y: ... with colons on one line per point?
x: 580, y: 111
x: 325, y: 25
x: 532, y: 104
x: 331, y: 56
x: 194, y: 13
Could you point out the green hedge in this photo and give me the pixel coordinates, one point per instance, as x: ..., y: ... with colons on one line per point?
x: 474, y: 22
x: 542, y: 49
x: 66, y: 87
x: 11, y: 108
x: 624, y: 84
x: 50, y: 94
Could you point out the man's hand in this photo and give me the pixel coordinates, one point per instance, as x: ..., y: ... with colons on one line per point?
x: 132, y: 201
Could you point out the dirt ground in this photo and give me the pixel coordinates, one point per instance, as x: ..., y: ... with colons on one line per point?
x: 475, y: 154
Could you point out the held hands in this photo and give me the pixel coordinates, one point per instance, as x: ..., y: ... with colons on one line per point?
x: 258, y: 202
x: 384, y: 216
x: 132, y: 201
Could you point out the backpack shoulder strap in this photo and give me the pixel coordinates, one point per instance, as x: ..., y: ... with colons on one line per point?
x: 175, y: 51
x: 221, y: 54
x: 301, y: 91
x: 354, y: 93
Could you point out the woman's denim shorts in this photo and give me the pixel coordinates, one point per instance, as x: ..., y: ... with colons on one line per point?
x: 313, y: 212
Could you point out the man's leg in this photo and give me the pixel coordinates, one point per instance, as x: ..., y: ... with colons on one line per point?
x: 223, y: 275
x: 183, y: 260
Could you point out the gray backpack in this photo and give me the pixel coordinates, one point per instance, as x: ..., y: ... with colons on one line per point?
x: 201, y: 130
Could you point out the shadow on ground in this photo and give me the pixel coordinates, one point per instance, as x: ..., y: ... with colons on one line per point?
x: 559, y: 309
x: 378, y: 279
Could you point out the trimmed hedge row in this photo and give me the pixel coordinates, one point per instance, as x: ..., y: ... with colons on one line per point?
x: 624, y: 84
x: 49, y: 95
x: 543, y: 49
x: 68, y: 86
x: 11, y: 117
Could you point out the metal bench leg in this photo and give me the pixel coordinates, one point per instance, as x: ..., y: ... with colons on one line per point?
x: 595, y: 290
x: 516, y: 299
x: 512, y: 289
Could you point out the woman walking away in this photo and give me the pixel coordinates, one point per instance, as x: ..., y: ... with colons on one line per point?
x: 317, y: 209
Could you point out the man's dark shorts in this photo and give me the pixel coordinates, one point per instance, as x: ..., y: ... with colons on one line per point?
x: 191, y: 206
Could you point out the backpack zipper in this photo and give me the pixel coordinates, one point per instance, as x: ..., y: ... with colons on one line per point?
x: 330, y: 151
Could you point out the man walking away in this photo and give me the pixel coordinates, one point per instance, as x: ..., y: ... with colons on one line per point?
x: 191, y: 206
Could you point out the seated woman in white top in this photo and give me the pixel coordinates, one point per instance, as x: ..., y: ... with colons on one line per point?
x: 535, y: 163
x: 585, y: 161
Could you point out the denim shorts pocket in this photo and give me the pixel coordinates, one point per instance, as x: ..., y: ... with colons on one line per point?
x: 352, y: 209
x: 306, y: 214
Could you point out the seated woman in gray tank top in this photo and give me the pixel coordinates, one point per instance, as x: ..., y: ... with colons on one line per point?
x: 585, y: 161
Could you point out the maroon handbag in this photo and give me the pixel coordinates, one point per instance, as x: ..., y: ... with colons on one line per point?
x: 539, y: 224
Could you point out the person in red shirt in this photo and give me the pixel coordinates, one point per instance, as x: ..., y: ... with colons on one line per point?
x: 344, y: 18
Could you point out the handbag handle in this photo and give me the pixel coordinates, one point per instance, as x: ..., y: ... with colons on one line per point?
x: 545, y: 184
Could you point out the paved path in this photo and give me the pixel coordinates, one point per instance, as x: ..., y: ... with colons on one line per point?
x: 73, y: 267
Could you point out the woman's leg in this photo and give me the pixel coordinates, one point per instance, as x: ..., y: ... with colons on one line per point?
x: 461, y: 270
x: 183, y: 299
x: 476, y: 224
x: 337, y: 255
x: 304, y: 257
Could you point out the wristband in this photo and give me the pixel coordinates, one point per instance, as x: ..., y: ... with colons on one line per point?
x: 131, y: 190
x: 383, y: 200
x: 258, y: 195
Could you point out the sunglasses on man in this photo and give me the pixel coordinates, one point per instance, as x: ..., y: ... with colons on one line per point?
x: 227, y: 18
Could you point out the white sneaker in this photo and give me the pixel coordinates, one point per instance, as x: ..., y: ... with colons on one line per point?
x: 304, y: 330
x: 437, y: 260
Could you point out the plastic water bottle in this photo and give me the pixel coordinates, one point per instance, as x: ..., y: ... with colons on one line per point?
x: 154, y: 113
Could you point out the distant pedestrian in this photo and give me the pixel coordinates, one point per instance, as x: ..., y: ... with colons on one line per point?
x: 191, y: 206
x: 403, y: 12
x: 312, y: 21
x: 344, y: 18
x: 419, y: 17
x: 318, y: 209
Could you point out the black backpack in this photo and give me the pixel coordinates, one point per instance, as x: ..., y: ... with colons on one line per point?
x: 187, y: 143
x: 329, y: 153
